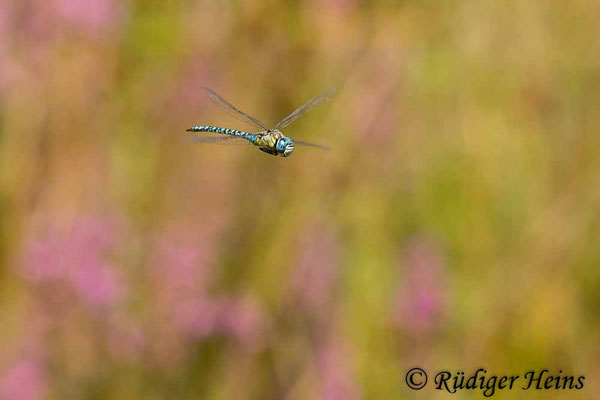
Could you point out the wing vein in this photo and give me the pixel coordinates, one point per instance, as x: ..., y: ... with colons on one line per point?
x: 227, y: 107
x: 306, y: 107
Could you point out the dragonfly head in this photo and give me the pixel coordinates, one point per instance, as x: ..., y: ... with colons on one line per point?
x: 284, y: 146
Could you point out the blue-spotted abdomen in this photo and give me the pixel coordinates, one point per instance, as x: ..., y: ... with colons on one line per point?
x: 217, y: 129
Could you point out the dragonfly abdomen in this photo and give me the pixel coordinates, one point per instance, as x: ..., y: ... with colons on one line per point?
x: 217, y: 129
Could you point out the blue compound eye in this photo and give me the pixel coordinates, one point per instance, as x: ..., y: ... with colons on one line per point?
x: 285, y: 146
x: 280, y: 145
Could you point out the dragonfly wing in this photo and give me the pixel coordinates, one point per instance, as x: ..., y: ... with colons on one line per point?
x: 233, y: 111
x: 306, y: 107
x: 318, y: 146
x: 227, y: 140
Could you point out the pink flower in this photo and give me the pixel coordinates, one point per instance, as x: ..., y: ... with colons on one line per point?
x: 91, y: 16
x: 10, y: 68
x: 196, y: 317
x: 179, y: 269
x: 336, y: 380
x: 97, y: 284
x: 182, y: 311
x: 244, y: 320
x: 24, y: 381
x: 47, y: 20
x: 316, y: 269
x: 77, y: 260
x: 419, y: 302
x: 44, y: 260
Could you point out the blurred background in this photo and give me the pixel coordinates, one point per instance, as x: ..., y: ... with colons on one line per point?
x: 454, y: 225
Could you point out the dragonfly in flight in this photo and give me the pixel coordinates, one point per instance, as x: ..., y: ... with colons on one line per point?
x: 269, y: 140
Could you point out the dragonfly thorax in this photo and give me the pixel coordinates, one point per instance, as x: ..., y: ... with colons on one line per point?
x: 275, y: 143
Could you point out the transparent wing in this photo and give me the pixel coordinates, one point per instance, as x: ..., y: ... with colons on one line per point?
x: 306, y: 107
x: 318, y: 146
x: 227, y: 140
x: 231, y: 110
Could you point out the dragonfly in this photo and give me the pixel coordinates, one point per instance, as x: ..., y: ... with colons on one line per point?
x: 269, y: 140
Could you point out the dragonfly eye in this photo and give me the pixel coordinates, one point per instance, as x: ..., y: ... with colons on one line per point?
x: 285, y: 146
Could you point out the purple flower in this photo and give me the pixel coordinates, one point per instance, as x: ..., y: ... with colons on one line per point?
x: 179, y: 269
x: 77, y: 260
x: 97, y: 284
x: 180, y: 276
x: 9, y: 70
x: 182, y: 311
x: 419, y: 302
x: 196, y: 317
x: 26, y: 380
x: 316, y: 269
x: 48, y: 20
x: 335, y: 376
x: 44, y: 260
x: 244, y: 320
x: 91, y: 16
